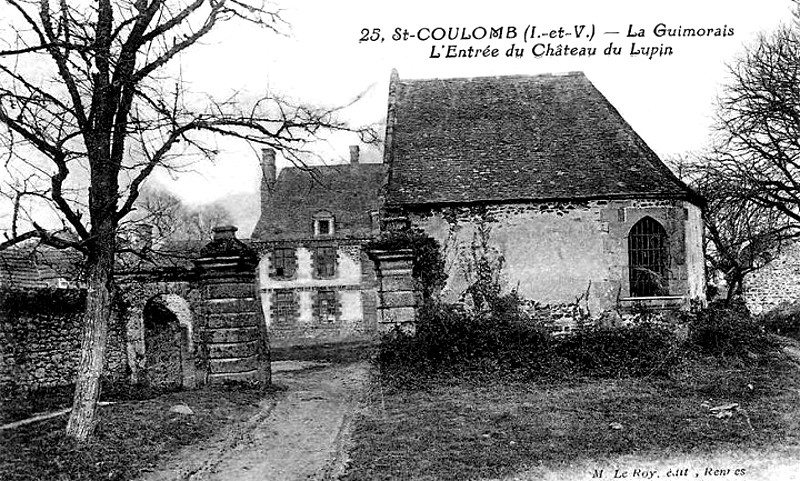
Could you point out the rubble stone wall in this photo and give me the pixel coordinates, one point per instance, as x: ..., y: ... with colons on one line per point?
x: 775, y: 284
x: 40, y: 340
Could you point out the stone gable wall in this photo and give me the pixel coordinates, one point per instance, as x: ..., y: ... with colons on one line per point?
x: 565, y: 253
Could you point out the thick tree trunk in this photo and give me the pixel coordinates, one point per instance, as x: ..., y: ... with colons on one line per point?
x: 734, y: 287
x: 93, y: 338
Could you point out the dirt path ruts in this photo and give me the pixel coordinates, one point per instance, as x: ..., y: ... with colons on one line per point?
x: 296, y: 437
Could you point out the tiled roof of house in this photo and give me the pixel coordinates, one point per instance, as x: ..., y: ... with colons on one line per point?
x: 45, y: 267
x: 169, y: 255
x: 515, y: 138
x: 40, y: 267
x: 349, y: 192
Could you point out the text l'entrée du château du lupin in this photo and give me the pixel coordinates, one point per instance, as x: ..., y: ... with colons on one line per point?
x: 564, y: 41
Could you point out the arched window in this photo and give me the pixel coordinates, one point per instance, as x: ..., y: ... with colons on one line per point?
x: 648, y: 257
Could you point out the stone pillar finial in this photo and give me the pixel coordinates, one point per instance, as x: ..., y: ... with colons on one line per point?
x: 224, y: 232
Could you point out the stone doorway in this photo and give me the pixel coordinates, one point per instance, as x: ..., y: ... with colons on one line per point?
x: 168, y: 346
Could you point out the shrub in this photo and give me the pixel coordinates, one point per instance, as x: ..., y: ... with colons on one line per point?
x: 428, y: 267
x: 728, y: 332
x: 783, y: 320
x: 642, y: 349
x: 448, y: 338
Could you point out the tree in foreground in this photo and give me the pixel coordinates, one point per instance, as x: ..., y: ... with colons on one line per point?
x: 90, y: 109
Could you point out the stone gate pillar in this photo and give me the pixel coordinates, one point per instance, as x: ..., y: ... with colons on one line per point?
x: 234, y: 334
x: 397, y: 299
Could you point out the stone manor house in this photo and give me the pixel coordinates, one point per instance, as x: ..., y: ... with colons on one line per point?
x: 540, y: 174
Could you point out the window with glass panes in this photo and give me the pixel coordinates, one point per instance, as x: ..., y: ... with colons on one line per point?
x: 284, y: 261
x: 326, y: 306
x: 648, y: 258
x: 325, y: 262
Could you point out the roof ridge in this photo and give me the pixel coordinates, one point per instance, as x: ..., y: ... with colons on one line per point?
x: 569, y: 73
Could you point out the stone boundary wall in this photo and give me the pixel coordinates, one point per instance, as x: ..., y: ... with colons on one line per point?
x: 557, y: 318
x: 775, y: 284
x: 40, y: 340
x: 568, y: 317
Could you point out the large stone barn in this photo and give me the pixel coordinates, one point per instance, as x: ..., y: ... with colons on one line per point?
x: 544, y: 178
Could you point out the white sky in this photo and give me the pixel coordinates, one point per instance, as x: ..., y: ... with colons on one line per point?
x: 668, y: 100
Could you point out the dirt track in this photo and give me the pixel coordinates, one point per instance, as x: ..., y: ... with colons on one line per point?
x: 297, y: 436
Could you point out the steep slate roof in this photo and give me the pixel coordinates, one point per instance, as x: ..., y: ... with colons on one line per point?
x: 348, y: 191
x: 515, y: 138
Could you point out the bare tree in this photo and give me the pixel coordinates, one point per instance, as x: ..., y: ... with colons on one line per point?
x: 90, y: 109
x: 758, y: 142
x: 742, y: 235
x: 751, y: 176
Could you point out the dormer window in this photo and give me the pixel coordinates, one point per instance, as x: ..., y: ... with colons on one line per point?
x: 324, y: 227
x: 323, y: 224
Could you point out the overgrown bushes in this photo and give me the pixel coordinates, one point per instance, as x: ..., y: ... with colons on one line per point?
x: 448, y: 337
x: 451, y: 341
x: 504, y: 341
x: 783, y: 320
x: 638, y: 350
x: 428, y: 261
x: 728, y: 331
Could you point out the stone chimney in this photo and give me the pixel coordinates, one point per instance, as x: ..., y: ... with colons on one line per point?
x: 268, y: 171
x: 354, y: 154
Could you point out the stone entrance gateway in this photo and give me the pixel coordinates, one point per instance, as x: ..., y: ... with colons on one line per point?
x: 235, y: 335
x: 199, y: 323
x: 203, y: 321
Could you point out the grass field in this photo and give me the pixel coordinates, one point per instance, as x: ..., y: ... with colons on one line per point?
x: 131, y: 437
x: 483, y: 428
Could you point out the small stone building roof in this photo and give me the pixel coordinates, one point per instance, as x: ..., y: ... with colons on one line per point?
x: 38, y: 268
x: 347, y: 193
x: 172, y: 255
x: 489, y: 139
